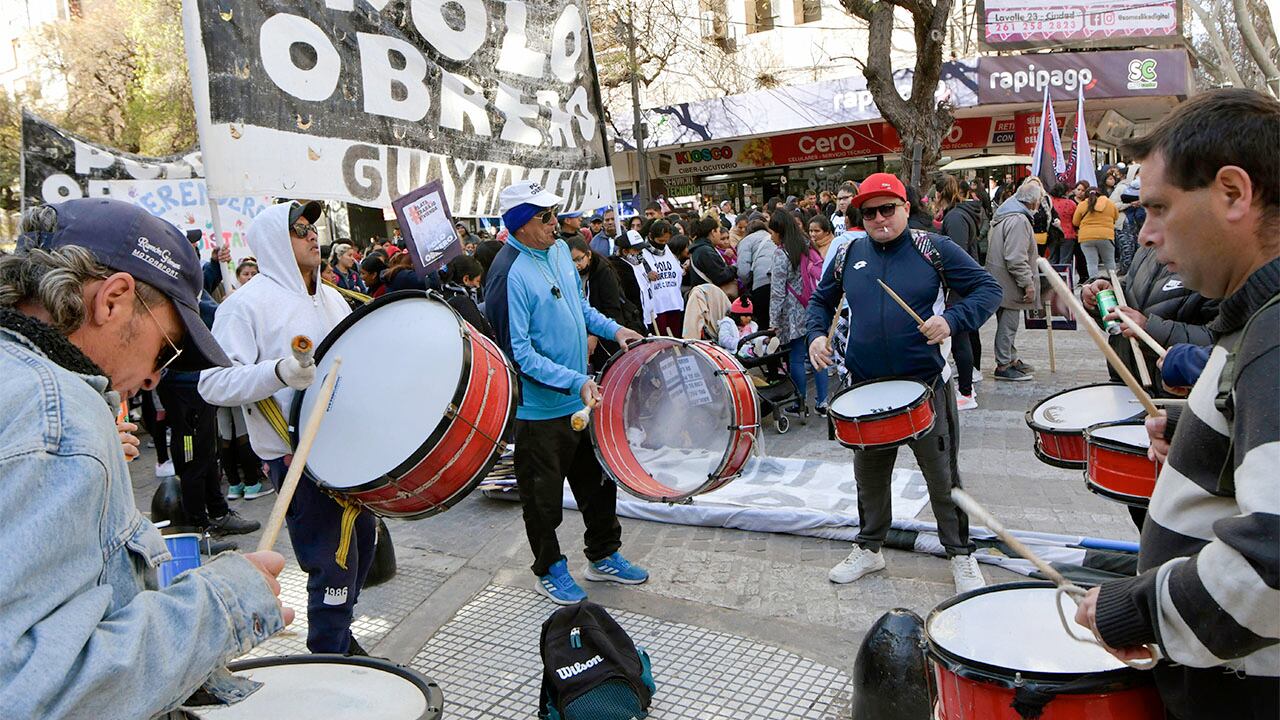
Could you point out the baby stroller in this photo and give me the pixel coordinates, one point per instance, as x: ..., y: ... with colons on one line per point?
x: 773, y: 385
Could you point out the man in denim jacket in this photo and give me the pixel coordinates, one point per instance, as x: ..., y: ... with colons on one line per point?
x: 99, y: 299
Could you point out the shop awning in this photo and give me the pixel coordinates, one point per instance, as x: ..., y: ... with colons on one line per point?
x: 986, y: 161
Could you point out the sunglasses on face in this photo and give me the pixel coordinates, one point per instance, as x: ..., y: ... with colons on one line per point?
x: 548, y: 217
x: 885, y: 211
x: 301, y: 230
x: 170, y: 350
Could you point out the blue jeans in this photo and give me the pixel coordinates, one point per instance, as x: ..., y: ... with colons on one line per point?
x: 797, y: 360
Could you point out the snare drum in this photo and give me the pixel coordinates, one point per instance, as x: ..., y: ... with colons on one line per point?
x: 333, y: 687
x: 1118, y: 467
x: 677, y: 418
x: 882, y: 413
x: 412, y: 444
x: 1002, y: 644
x: 1059, y: 420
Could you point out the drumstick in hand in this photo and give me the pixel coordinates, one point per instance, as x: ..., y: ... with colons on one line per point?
x: 303, y: 350
x: 290, y: 485
x: 1096, y: 333
x: 578, y: 421
x: 901, y: 302
x: 1143, y: 334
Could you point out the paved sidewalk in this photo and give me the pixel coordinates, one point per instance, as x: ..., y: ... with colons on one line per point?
x: 462, y: 600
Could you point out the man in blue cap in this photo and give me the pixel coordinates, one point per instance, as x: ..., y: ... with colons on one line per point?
x: 571, y: 227
x: 534, y: 303
x: 99, y: 299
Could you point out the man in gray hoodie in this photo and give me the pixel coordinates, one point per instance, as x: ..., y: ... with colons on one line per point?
x: 1011, y: 259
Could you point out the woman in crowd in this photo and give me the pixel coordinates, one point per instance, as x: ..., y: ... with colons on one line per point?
x: 962, y: 220
x: 666, y: 276
x: 1096, y: 220
x: 462, y: 282
x: 1080, y: 192
x: 755, y: 263
x: 793, y: 259
x: 603, y: 291
x: 706, y: 262
x: 1065, y: 250
x: 245, y: 271
x: 343, y: 262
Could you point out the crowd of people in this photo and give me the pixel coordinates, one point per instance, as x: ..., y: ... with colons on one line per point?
x: 103, y: 301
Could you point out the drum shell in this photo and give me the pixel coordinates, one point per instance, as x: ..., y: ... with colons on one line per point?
x: 1119, y: 471
x: 972, y: 690
x: 456, y: 456
x: 886, y: 429
x: 614, y: 454
x: 1060, y: 447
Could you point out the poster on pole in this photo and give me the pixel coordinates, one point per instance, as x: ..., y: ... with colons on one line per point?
x: 428, y: 226
x: 1059, y: 310
x: 363, y: 101
x: 58, y: 165
x: 185, y: 203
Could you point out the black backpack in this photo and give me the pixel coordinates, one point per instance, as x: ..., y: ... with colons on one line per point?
x: 591, y: 669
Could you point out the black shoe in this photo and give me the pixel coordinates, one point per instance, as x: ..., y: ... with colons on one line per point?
x: 353, y: 648
x: 213, y: 547
x: 232, y: 524
x: 821, y: 409
x: 1011, y: 373
x: 1023, y: 367
x: 799, y: 410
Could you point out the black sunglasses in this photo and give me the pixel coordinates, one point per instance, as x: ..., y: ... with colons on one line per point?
x: 548, y: 217
x: 301, y: 230
x: 886, y: 211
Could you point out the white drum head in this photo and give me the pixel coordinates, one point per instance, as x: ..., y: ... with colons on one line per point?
x: 401, y: 365
x: 677, y: 413
x: 332, y: 691
x: 877, y: 397
x: 1017, y: 629
x: 1134, y: 435
x: 1078, y: 409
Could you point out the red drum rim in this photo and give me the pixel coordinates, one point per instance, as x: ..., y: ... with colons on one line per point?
x: 1098, y: 682
x: 437, y: 433
x: 428, y: 687
x: 1105, y: 443
x: 1037, y: 427
x: 1048, y: 459
x: 608, y: 425
x: 925, y: 397
x: 1091, y: 437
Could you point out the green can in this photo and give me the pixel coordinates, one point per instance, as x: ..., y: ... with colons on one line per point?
x: 1106, y: 303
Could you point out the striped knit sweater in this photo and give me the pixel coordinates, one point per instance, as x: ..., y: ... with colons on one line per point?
x: 1209, y: 567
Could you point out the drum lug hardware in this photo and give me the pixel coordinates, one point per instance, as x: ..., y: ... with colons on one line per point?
x: 451, y: 411
x: 1017, y: 680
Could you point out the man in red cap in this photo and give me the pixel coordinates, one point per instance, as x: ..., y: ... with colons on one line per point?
x: 887, y: 343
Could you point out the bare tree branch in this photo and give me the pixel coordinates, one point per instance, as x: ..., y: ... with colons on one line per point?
x: 1254, y: 45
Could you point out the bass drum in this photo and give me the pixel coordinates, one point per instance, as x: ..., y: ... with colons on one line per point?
x: 677, y: 418
x: 420, y: 412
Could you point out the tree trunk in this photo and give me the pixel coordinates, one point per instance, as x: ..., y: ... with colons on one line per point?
x: 919, y: 119
x: 1253, y: 44
x: 1225, y: 62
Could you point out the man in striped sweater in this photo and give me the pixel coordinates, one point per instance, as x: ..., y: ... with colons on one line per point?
x: 1209, y: 567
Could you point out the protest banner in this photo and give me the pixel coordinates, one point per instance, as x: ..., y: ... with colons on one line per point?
x: 185, y: 203
x: 365, y: 101
x: 428, y: 225
x: 58, y: 165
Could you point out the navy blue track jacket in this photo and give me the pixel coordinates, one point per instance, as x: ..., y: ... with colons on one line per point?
x: 883, y: 339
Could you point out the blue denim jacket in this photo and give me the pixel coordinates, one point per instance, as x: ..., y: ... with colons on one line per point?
x: 84, y: 633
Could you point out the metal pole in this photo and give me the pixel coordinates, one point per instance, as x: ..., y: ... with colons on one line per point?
x: 642, y: 162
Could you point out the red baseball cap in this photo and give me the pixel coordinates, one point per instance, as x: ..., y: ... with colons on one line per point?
x: 879, y: 185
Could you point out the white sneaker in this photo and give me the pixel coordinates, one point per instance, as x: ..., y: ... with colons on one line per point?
x: 967, y: 402
x: 165, y: 469
x: 977, y: 375
x: 860, y: 562
x: 966, y: 574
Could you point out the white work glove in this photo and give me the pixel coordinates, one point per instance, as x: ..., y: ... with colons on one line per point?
x: 294, y: 374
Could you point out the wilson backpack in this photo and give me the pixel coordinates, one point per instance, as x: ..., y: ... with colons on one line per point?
x: 590, y: 668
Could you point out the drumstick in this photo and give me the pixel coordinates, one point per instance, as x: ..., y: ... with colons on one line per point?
x: 1096, y: 333
x: 1170, y: 402
x: 901, y: 302
x: 1143, y: 335
x: 835, y: 322
x: 965, y: 502
x: 272, y: 529
x: 578, y: 421
x: 302, y: 350
x: 1143, y: 373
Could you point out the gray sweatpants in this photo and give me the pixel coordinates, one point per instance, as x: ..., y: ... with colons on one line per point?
x: 1099, y: 252
x: 1007, y: 322
x: 937, y: 455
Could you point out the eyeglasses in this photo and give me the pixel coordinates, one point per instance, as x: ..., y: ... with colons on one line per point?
x: 548, y: 217
x: 580, y: 260
x: 171, y: 351
x: 886, y: 211
x: 301, y: 230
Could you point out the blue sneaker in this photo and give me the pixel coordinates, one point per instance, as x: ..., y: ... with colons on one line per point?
x: 616, y: 568
x: 559, y: 586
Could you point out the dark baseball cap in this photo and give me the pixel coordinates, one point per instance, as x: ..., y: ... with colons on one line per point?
x: 126, y: 238
x: 309, y: 209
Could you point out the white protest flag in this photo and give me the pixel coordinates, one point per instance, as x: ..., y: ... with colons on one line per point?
x: 1080, y: 146
x: 364, y: 100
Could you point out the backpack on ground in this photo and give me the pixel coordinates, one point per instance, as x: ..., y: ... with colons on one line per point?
x: 591, y: 670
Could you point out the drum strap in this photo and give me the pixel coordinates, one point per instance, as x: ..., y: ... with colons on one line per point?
x: 270, y: 410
